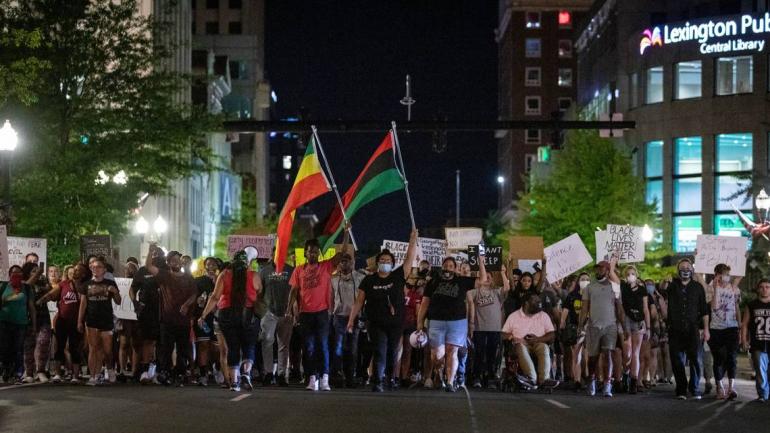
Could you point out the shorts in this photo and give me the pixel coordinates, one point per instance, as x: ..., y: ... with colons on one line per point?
x: 100, y: 323
x: 200, y: 334
x: 633, y: 327
x: 601, y: 339
x: 441, y: 332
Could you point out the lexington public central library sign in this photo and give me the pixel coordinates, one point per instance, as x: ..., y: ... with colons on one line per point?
x: 716, y: 35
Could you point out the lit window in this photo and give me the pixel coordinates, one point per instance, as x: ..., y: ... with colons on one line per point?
x: 687, y: 194
x: 532, y: 136
x: 287, y: 162
x: 735, y: 75
x: 731, y: 190
x: 653, y: 154
x: 565, y: 48
x: 730, y: 225
x: 532, y: 76
x: 686, y: 231
x: 564, y: 104
x: 533, y: 20
x: 565, y: 77
x: 655, y: 194
x: 654, y: 92
x: 687, y: 155
x: 532, y: 48
x: 532, y: 106
x: 688, y: 80
x: 734, y: 152
x: 565, y: 19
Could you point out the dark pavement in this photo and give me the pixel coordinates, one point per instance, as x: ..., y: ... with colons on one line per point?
x: 144, y: 409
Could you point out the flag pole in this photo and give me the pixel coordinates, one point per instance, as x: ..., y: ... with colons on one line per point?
x: 403, y: 173
x: 334, y: 187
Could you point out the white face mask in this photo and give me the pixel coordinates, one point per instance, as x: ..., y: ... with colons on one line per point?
x: 583, y: 284
x: 725, y: 279
x: 631, y: 279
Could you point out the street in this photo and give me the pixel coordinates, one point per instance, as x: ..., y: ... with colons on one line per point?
x: 134, y: 408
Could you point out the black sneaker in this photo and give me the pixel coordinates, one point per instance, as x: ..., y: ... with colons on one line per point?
x: 282, y: 381
x: 378, y: 387
x: 708, y: 388
x: 395, y: 384
x: 450, y: 388
x: 632, y: 388
x: 267, y: 379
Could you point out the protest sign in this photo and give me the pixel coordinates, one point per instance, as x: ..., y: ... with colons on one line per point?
x: 4, y: 265
x: 18, y: 248
x: 565, y: 257
x: 623, y: 240
x: 125, y: 310
x: 713, y: 250
x: 95, y: 245
x: 531, y: 266
x: 262, y: 244
x: 525, y: 247
x: 458, y: 238
x: 493, y: 260
x: 432, y: 250
x: 300, y: 256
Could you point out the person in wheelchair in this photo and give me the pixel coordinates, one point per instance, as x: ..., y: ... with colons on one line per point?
x: 530, y: 330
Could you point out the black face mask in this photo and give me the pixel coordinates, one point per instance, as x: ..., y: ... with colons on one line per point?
x: 422, y: 272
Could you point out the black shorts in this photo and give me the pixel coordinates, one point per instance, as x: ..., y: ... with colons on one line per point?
x: 100, y: 323
x: 201, y: 335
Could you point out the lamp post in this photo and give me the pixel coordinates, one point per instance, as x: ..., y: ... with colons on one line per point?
x: 500, y: 184
x: 159, y: 227
x: 647, y: 233
x: 8, y: 141
x: 763, y: 204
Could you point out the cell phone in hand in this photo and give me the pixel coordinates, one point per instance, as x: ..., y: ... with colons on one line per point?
x: 482, y: 250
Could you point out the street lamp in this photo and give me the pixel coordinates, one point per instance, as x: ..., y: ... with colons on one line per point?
x: 500, y: 180
x: 141, y: 226
x: 8, y: 141
x: 763, y: 203
x: 647, y: 233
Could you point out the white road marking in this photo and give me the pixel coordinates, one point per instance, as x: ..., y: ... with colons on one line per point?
x: 474, y: 422
x: 5, y: 388
x: 241, y: 397
x: 557, y: 404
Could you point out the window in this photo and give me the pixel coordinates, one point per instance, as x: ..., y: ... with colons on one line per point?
x: 653, y: 163
x: 687, y: 155
x: 687, y: 80
x: 655, y: 194
x: 565, y: 77
x: 565, y: 20
x: 234, y: 28
x: 236, y: 4
x: 532, y: 136
x: 287, y: 162
x: 532, y: 76
x: 565, y: 48
x: 532, y: 106
x: 564, y: 104
x: 529, y: 161
x: 686, y: 231
x: 212, y: 28
x: 734, y: 152
x: 533, y: 20
x: 633, y: 83
x: 734, y: 165
x: 238, y: 70
x: 730, y: 225
x: 532, y: 48
x: 735, y: 75
x: 731, y: 190
x: 654, y: 92
x: 687, y: 194
x: 212, y: 4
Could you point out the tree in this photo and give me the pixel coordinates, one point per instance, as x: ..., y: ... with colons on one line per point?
x: 592, y: 184
x: 106, y: 107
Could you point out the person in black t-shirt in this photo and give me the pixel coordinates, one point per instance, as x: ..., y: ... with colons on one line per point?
x: 204, y: 338
x: 444, y: 304
x: 145, y: 294
x: 755, y: 336
x: 637, y: 316
x: 383, y: 293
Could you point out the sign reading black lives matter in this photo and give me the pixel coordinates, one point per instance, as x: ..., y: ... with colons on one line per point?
x: 95, y: 245
x: 624, y: 241
x: 493, y: 260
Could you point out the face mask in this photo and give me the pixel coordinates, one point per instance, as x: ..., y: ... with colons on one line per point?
x: 685, y: 275
x: 385, y: 268
x: 447, y: 275
x: 650, y: 289
x: 422, y: 272
x: 583, y: 284
x: 16, y: 280
x: 534, y: 309
x: 631, y: 279
x: 600, y: 277
x: 726, y: 279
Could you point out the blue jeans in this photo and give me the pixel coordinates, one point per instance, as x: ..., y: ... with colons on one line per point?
x: 345, y: 347
x: 315, y: 329
x: 760, y: 360
x: 686, y: 346
x: 387, y: 340
x: 12, y: 347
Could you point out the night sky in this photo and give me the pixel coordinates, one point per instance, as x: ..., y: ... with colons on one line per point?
x: 341, y: 60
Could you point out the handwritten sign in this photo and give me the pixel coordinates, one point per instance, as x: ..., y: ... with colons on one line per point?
x: 262, y: 244
x: 432, y: 250
x: 458, y: 238
x: 18, y: 248
x: 125, y: 310
x: 713, y: 250
x: 4, y: 265
x: 493, y: 260
x: 95, y: 245
x: 565, y: 257
x: 623, y: 240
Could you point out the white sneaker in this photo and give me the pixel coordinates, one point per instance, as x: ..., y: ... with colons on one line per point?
x: 111, y: 376
x: 93, y: 381
x: 28, y: 379
x: 151, y: 371
x: 145, y: 378
x: 312, y: 384
x: 75, y: 381
x: 42, y: 378
x: 428, y: 383
x: 219, y: 377
x: 325, y: 383
x: 57, y: 379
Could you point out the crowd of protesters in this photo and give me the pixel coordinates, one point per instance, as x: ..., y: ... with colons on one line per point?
x: 325, y: 324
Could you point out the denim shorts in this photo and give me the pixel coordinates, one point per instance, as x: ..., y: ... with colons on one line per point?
x: 441, y: 332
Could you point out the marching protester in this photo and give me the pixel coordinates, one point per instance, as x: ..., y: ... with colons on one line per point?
x: 310, y: 301
x: 276, y: 326
x: 66, y: 320
x: 569, y: 330
x: 37, y: 344
x: 235, y: 297
x: 485, y: 318
x: 345, y: 285
x: 756, y: 338
x: 96, y: 320
x: 145, y: 295
x: 205, y: 342
x: 515, y: 297
x: 413, y: 293
x: 17, y: 314
x: 725, y: 329
x: 444, y: 305
x: 637, y: 317
x: 383, y: 294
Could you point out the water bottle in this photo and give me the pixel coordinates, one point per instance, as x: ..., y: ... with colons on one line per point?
x: 205, y: 327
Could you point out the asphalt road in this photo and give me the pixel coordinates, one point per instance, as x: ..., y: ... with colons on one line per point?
x: 144, y: 409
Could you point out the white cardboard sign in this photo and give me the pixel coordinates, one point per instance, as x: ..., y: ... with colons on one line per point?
x: 713, y: 250
x: 458, y: 238
x: 565, y: 257
x: 125, y: 310
x: 432, y: 250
